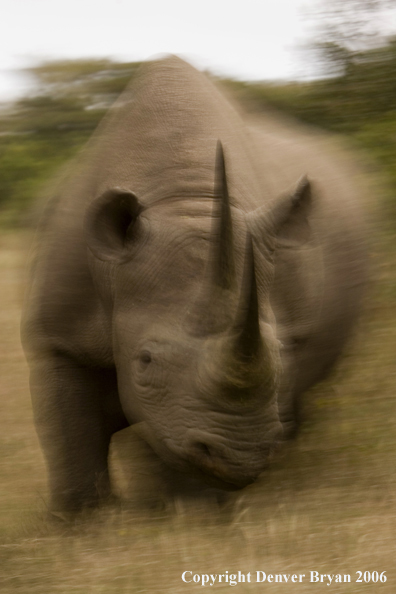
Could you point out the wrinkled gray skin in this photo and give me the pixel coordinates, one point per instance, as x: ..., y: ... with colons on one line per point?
x: 187, y: 278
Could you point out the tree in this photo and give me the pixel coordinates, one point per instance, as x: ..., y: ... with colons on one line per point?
x: 346, y: 28
x: 46, y: 128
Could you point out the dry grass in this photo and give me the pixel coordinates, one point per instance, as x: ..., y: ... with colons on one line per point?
x: 327, y: 504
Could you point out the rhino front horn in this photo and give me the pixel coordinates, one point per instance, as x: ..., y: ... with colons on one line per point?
x: 252, y: 360
x: 248, y: 345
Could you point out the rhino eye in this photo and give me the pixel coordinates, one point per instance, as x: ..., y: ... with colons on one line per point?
x: 145, y: 358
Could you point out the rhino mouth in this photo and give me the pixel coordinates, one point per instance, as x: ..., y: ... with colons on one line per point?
x: 209, y: 458
x: 215, y: 479
x: 199, y: 461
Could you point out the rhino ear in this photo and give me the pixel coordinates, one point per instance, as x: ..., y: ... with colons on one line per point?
x: 112, y: 226
x: 285, y: 222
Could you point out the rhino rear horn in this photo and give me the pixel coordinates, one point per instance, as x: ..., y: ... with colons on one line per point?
x: 223, y: 257
x: 208, y: 315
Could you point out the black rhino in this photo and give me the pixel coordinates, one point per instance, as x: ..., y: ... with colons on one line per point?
x: 196, y: 272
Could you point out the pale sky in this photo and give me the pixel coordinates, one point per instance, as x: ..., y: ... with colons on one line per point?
x: 246, y: 39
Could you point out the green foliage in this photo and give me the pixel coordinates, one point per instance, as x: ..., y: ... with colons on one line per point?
x: 45, y: 130
x: 360, y: 103
x: 366, y: 91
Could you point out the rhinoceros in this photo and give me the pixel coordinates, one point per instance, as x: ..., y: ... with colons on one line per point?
x: 197, y: 270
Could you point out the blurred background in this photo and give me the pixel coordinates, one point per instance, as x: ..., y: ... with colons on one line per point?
x: 328, y: 502
x: 329, y: 63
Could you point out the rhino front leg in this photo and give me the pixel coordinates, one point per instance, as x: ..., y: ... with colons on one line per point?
x: 76, y: 411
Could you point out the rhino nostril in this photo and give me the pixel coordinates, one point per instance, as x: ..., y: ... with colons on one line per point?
x: 202, y: 449
x: 206, y: 453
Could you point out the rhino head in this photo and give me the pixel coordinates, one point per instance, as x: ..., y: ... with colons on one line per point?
x: 198, y: 362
